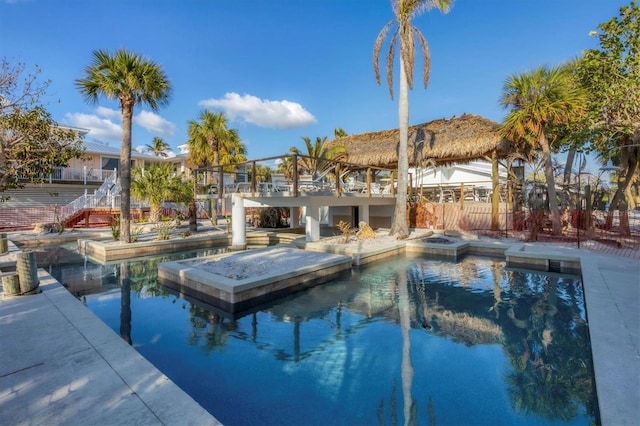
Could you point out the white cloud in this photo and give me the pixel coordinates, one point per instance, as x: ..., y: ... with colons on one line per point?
x: 105, y: 124
x: 154, y: 123
x: 101, y: 128
x: 109, y: 113
x: 261, y: 112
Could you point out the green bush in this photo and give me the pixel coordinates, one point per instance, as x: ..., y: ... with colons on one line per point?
x: 115, y: 227
x: 164, y: 230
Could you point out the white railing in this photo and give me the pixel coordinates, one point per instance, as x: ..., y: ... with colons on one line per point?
x: 83, y: 174
x: 104, y: 196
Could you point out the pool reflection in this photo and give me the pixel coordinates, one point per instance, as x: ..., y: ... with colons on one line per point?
x: 409, y: 340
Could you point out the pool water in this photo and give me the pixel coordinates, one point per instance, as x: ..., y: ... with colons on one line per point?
x: 409, y: 340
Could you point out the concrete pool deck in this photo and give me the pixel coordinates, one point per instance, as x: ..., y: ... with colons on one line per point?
x: 60, y: 364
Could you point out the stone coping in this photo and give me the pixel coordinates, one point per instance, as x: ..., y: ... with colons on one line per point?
x: 359, y: 255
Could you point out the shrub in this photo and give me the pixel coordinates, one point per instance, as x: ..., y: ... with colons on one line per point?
x: 135, y: 233
x: 164, y: 230
x: 114, y: 223
x: 346, y: 229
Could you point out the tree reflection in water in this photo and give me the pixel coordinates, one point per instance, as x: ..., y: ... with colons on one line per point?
x: 552, y: 373
x: 125, y: 303
x: 537, y: 320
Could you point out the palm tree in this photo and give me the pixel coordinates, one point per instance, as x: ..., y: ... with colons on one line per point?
x: 212, y: 143
x: 285, y: 166
x: 540, y: 99
x: 158, y: 147
x: 318, y: 155
x: 133, y: 80
x: 404, y: 11
x: 158, y: 183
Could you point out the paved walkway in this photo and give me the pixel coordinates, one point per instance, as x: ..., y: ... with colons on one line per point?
x: 59, y: 364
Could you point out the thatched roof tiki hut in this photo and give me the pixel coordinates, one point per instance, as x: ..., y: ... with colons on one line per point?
x: 441, y: 142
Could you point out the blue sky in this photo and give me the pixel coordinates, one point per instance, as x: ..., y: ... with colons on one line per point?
x: 283, y: 69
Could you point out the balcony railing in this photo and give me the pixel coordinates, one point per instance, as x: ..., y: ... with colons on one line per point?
x: 79, y: 175
x: 306, y: 176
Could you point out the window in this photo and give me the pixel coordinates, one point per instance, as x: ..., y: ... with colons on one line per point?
x: 110, y: 163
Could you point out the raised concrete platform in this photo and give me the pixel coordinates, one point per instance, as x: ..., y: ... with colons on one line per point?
x: 107, y: 250
x: 517, y: 255
x: 59, y: 364
x: 238, y: 281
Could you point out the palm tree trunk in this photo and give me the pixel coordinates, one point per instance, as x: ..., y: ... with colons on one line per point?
x: 629, y: 167
x: 125, y: 175
x: 399, y: 226
x: 155, y: 211
x: 495, y: 198
x: 566, y: 181
x: 407, y: 366
x: 551, y: 185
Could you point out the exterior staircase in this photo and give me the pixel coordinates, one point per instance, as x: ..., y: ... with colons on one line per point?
x: 103, y: 199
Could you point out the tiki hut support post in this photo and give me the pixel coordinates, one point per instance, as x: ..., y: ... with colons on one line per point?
x: 338, y: 180
x: 509, y: 206
x: 253, y: 179
x: 369, y: 182
x: 220, y: 190
x: 461, y: 195
x: 495, y: 199
x: 295, y: 176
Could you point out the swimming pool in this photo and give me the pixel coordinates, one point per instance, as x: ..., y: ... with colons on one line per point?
x: 411, y: 338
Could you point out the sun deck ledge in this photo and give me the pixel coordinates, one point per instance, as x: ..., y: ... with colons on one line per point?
x: 233, y: 295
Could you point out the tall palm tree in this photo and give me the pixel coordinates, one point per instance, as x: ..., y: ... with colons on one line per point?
x: 540, y: 99
x: 405, y: 34
x: 158, y: 147
x: 132, y: 80
x: 212, y: 143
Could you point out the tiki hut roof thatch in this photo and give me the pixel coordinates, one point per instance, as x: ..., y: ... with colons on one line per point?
x: 456, y: 140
